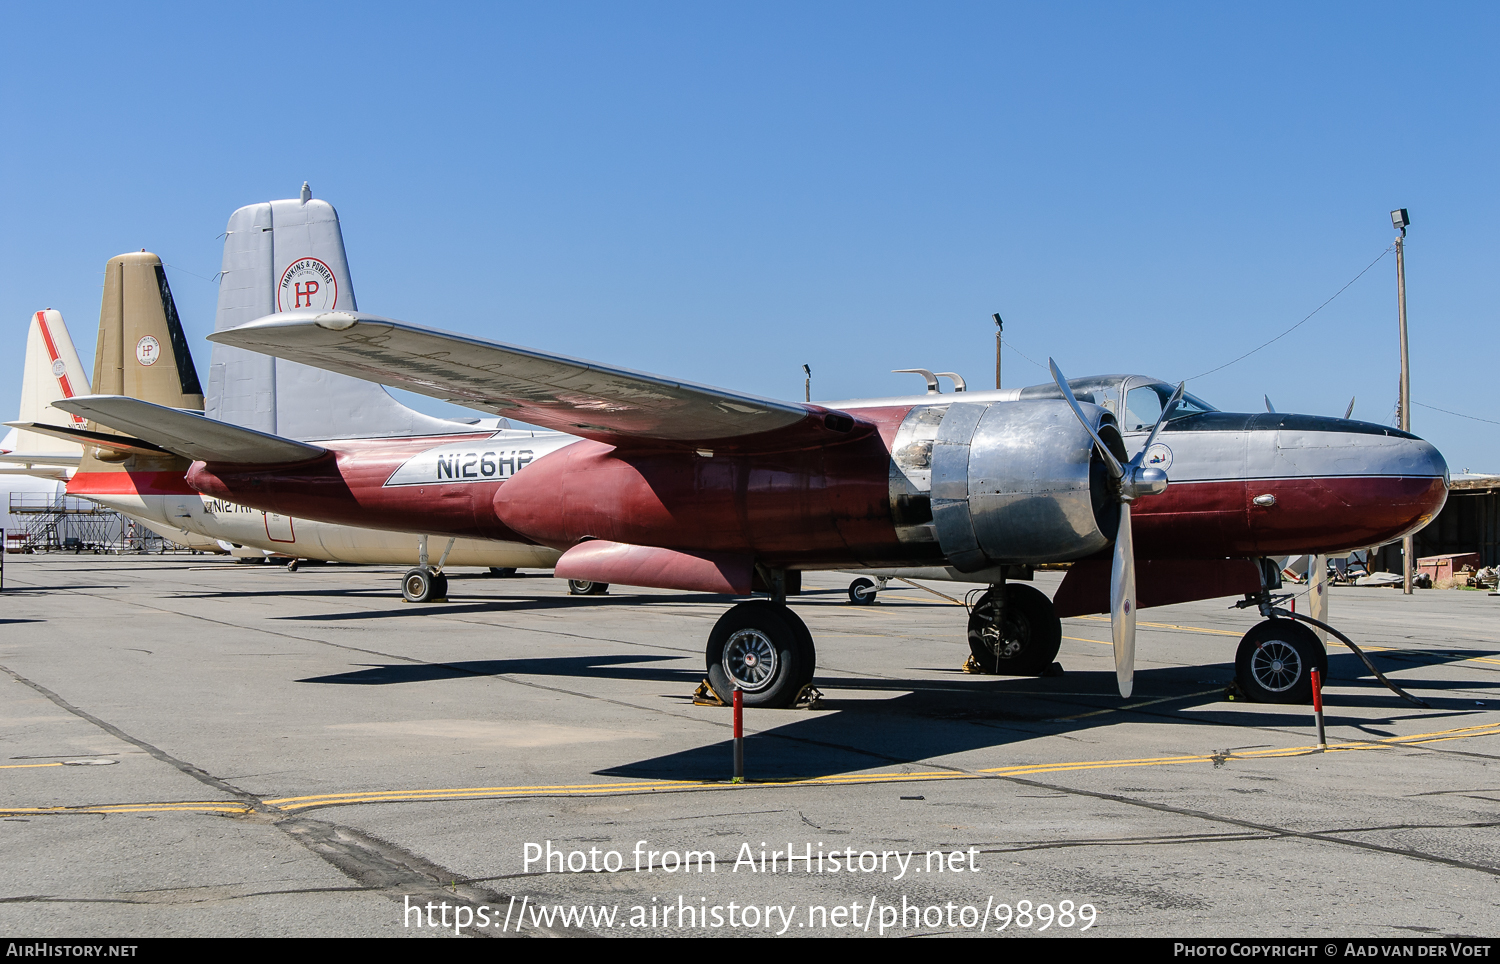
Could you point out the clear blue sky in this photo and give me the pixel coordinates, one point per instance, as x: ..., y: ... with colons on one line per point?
x: 723, y: 192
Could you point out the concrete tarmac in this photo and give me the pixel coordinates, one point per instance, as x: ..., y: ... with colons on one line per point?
x: 195, y: 747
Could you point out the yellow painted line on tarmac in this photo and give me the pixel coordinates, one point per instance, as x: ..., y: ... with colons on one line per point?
x: 297, y: 803
x: 839, y: 779
x: 1190, y: 629
x: 207, y: 806
x: 24, y: 766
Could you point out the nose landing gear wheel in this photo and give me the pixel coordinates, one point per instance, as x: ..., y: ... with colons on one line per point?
x: 862, y: 592
x: 423, y: 585
x: 1275, y: 660
x: 582, y: 587
x: 765, y: 650
x: 1027, y: 639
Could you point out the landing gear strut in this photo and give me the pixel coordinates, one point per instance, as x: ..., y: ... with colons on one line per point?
x: 1276, y: 656
x: 862, y: 590
x: 426, y: 583
x: 1014, y: 631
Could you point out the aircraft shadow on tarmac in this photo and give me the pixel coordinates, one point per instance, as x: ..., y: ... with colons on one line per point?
x: 593, y: 667
x: 926, y: 725
x: 492, y: 604
x: 932, y: 719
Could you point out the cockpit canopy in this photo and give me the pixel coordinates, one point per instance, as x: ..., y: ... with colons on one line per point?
x: 1144, y: 396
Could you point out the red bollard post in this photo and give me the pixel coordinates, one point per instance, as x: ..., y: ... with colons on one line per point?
x: 739, y: 735
x: 1317, y: 688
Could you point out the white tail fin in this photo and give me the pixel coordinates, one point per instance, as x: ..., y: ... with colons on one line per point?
x: 52, y: 372
x: 281, y: 255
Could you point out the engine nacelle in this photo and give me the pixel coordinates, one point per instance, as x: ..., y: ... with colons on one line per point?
x: 1007, y: 482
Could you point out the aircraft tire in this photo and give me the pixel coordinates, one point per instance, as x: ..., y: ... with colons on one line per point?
x: 766, y: 649
x: 503, y: 572
x: 1033, y: 633
x: 861, y: 592
x: 1275, y: 661
x: 418, y: 586
x: 440, y: 585
x: 582, y: 587
x: 807, y: 654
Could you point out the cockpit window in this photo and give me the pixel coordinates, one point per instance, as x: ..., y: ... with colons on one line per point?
x: 1144, y: 403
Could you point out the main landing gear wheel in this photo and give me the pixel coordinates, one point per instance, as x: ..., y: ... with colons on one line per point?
x: 423, y: 585
x: 1026, y: 642
x: 582, y: 587
x: 763, y: 648
x: 862, y: 592
x: 1275, y: 662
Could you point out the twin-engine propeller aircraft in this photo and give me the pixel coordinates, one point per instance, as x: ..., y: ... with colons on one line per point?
x: 683, y: 486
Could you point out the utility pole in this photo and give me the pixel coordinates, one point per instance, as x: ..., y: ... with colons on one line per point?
x: 1399, y: 221
x: 807, y: 385
x: 999, y: 328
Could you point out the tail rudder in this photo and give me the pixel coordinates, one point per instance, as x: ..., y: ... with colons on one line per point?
x: 279, y: 256
x: 53, y: 371
x: 142, y: 352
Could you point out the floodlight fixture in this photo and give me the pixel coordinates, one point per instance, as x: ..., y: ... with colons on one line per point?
x: 1399, y: 220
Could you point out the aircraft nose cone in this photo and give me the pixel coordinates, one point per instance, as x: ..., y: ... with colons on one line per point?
x: 1405, y: 483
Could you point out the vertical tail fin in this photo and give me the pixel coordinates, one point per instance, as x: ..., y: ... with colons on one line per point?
x: 281, y: 255
x: 142, y: 351
x: 52, y: 372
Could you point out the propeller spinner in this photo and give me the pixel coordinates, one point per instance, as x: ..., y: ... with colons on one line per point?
x: 1131, y: 480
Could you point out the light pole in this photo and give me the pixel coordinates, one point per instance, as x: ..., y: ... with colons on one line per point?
x: 807, y: 385
x: 999, y: 328
x: 1399, y: 221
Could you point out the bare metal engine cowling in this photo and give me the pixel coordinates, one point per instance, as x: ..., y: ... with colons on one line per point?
x: 1020, y: 482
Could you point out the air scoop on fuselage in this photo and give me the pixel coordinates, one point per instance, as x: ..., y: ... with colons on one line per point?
x: 1283, y: 484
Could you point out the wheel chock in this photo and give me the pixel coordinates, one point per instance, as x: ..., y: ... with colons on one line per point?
x: 704, y: 695
x: 807, y: 698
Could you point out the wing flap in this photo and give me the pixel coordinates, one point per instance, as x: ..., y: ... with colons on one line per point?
x: 187, y: 434
x: 567, y: 394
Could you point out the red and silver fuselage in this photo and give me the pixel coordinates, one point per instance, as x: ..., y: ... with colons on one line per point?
x: 1014, y: 472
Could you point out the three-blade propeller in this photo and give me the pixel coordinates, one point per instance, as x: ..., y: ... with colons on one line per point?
x: 1130, y: 481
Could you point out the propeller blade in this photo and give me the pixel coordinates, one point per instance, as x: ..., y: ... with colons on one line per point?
x: 1350, y: 410
x: 1122, y: 604
x: 1115, y: 468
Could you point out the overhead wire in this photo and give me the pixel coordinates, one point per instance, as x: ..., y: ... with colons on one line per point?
x: 1304, y: 321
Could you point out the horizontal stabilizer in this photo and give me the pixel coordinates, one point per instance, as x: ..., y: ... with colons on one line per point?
x: 115, y: 443
x: 187, y: 434
x: 567, y: 394
x: 37, y: 458
x: 622, y: 565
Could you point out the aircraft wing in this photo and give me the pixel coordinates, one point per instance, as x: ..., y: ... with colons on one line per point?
x: 585, y: 398
x: 185, y: 433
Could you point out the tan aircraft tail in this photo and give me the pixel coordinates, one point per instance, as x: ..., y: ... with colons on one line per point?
x: 142, y: 352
